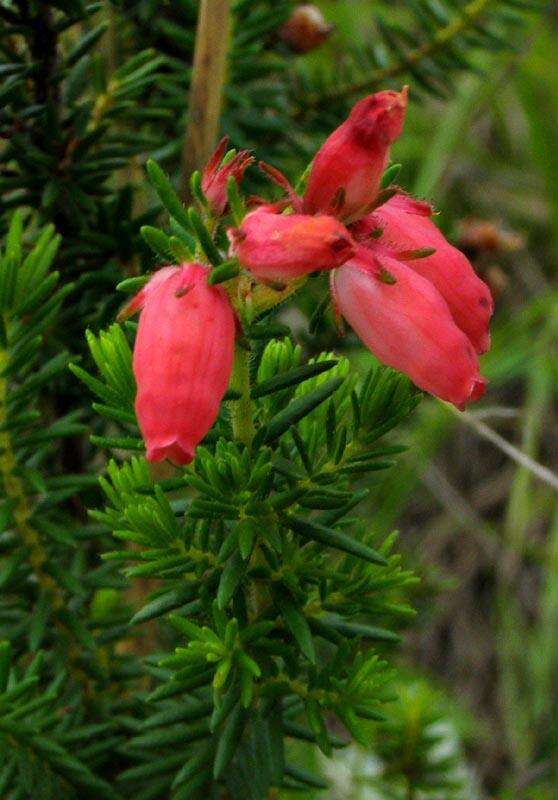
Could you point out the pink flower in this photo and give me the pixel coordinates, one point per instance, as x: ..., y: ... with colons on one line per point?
x: 426, y: 314
x: 215, y: 177
x: 347, y: 170
x: 406, y: 225
x: 183, y: 359
x: 404, y: 320
x: 279, y: 247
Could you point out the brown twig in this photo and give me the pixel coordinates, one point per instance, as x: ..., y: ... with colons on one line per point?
x: 206, y: 91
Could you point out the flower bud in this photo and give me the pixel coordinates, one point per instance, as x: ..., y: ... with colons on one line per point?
x: 215, y: 177
x: 346, y: 173
x: 183, y: 358
x: 305, y: 29
x: 402, y: 318
x: 407, y: 225
x: 280, y: 247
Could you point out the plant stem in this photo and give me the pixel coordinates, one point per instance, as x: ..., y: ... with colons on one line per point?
x: 242, y: 417
x: 242, y: 410
x: 206, y: 91
x: 111, y: 43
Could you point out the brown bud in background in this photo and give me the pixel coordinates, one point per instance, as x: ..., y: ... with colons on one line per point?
x: 481, y: 236
x: 485, y: 241
x: 305, y: 29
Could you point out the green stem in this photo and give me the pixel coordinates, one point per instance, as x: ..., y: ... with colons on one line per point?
x: 242, y: 416
x: 242, y: 410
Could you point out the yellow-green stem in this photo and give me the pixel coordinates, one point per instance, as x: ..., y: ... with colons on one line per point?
x: 242, y: 410
x: 242, y: 416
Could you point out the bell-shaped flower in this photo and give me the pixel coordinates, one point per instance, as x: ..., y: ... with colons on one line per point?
x: 280, y: 247
x: 346, y: 173
x: 216, y: 174
x: 406, y: 323
x: 183, y: 358
x: 406, y: 226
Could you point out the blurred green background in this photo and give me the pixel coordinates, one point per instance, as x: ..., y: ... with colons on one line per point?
x: 479, y: 528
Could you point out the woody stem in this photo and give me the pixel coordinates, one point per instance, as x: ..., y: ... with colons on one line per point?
x: 206, y: 92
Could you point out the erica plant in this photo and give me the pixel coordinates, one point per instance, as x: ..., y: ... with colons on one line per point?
x: 280, y: 608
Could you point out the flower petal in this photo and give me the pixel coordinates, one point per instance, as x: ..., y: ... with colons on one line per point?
x: 280, y: 247
x: 183, y: 358
x: 406, y: 225
x: 347, y: 170
x: 215, y: 177
x: 406, y: 323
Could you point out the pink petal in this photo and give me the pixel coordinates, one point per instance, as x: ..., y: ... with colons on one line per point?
x: 280, y: 247
x: 347, y: 170
x: 183, y: 358
x: 406, y: 225
x: 406, y: 323
x: 215, y: 177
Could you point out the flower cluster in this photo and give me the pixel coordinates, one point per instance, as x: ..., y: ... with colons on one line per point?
x: 412, y: 298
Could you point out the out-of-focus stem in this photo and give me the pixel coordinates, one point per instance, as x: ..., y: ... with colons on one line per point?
x: 111, y: 43
x: 206, y: 91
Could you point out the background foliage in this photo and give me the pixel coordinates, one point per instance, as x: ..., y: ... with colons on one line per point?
x: 95, y: 701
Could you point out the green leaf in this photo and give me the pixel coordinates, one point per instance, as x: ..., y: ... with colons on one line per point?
x: 305, y: 777
x: 204, y: 237
x: 236, y: 204
x: 298, y: 627
x: 296, y: 731
x: 313, y: 531
x: 229, y: 740
x: 224, y: 272
x: 296, y: 411
x: 230, y: 579
x: 158, y: 241
x: 86, y: 43
x: 165, y: 602
x: 132, y: 285
x: 318, y: 726
x: 291, y: 378
x: 390, y: 175
x: 247, y: 531
x: 224, y: 704
x: 167, y: 195
x: 355, y: 629
x: 5, y: 662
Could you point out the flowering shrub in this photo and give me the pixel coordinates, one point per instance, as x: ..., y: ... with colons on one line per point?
x: 226, y: 600
x: 269, y: 582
